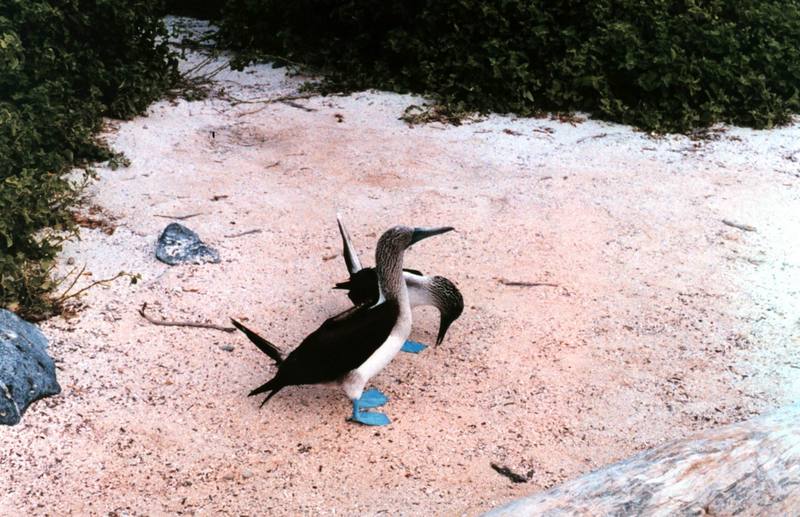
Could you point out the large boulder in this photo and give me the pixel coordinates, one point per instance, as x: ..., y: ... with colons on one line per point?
x: 180, y: 245
x: 749, y: 468
x: 27, y: 373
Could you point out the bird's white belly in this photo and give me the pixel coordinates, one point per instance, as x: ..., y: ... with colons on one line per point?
x: 354, y: 382
x: 381, y: 357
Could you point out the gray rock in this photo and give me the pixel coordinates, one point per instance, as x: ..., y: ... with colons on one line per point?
x: 747, y: 468
x: 180, y: 245
x: 27, y: 373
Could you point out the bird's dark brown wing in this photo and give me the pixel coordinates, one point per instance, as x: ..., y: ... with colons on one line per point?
x: 341, y: 344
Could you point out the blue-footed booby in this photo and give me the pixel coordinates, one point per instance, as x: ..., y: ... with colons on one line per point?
x: 437, y: 291
x: 352, y: 347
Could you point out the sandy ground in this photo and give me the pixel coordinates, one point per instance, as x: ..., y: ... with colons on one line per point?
x: 664, y: 320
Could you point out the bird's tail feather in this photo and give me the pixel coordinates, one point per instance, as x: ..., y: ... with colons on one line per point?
x: 262, y: 344
x: 344, y: 285
x: 272, y: 386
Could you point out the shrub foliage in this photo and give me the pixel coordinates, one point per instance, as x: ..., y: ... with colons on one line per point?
x: 63, y: 65
x: 657, y: 64
x: 208, y: 10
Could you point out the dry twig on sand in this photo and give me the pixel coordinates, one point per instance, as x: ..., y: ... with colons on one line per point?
x: 591, y: 137
x: 179, y: 217
x: 248, y: 232
x: 510, y: 474
x: 526, y: 284
x: 194, y: 324
x: 297, y: 105
x: 740, y: 226
x: 286, y: 99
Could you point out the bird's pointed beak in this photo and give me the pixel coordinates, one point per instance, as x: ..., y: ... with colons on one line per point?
x: 424, y: 233
x: 446, y: 318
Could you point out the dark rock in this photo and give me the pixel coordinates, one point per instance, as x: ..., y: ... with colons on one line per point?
x: 27, y: 373
x: 180, y: 245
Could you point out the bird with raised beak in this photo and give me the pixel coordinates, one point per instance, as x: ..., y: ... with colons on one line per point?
x: 437, y: 291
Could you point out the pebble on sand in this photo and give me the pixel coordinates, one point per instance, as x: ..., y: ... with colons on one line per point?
x: 180, y: 245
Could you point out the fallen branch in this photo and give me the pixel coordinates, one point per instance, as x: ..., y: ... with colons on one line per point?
x: 297, y: 105
x: 283, y: 98
x: 179, y: 217
x: 740, y: 226
x: 210, y: 75
x: 66, y: 296
x: 251, y: 112
x: 510, y: 474
x: 527, y: 284
x: 248, y: 232
x: 592, y: 137
x: 199, y: 65
x: 165, y: 323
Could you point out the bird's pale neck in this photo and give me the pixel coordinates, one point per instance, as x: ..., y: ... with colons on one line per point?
x: 419, y: 289
x: 389, y: 266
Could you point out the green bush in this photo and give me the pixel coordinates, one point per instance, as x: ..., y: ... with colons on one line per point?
x: 656, y: 64
x: 208, y: 10
x: 63, y: 66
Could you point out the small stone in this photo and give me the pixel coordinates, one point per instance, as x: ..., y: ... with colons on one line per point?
x: 179, y: 245
x: 247, y: 473
x: 70, y: 261
x: 228, y: 476
x: 227, y: 348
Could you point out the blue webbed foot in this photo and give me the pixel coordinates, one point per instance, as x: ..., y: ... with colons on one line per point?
x: 412, y: 347
x: 367, y: 417
x: 372, y: 398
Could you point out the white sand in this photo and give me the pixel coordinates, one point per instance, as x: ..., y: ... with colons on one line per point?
x: 665, y: 320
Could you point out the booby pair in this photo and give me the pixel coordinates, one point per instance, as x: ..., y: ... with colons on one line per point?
x: 437, y: 291
x: 352, y: 347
